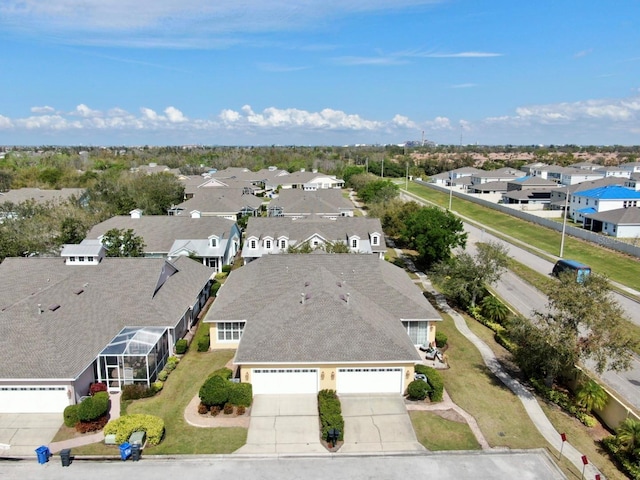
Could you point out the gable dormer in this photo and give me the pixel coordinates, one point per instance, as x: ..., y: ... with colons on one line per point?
x: 354, y: 242
x: 252, y: 242
x: 214, y: 241
x: 375, y: 239
x: 282, y: 242
x: 136, y: 213
x: 267, y: 242
x: 195, y: 214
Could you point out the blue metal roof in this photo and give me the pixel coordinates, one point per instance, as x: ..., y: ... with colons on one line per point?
x: 610, y: 192
x: 587, y: 210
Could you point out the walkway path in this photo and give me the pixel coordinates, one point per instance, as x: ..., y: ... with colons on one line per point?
x: 114, y: 412
x: 529, y: 402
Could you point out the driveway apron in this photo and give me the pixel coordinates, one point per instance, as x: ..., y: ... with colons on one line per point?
x: 22, y: 433
x: 283, y: 424
x: 377, y: 423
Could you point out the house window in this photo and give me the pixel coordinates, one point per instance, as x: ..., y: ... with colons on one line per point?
x: 230, y: 331
x: 267, y: 244
x: 90, y: 259
x: 214, y: 242
x: 315, y: 243
x: 283, y: 244
x: 252, y: 244
x: 72, y: 259
x: 418, y: 331
x: 81, y: 259
x: 354, y: 243
x: 374, y: 240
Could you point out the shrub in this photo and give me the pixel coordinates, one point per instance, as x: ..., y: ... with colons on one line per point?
x: 173, y: 359
x: 215, y: 391
x: 420, y: 368
x: 204, y: 343
x: 241, y: 409
x: 136, y: 391
x: 214, y: 288
x: 162, y: 375
x: 181, y: 346
x: 228, y: 409
x: 202, y: 409
x: 92, y: 408
x: 157, y: 386
x: 124, y: 426
x: 215, y: 410
x: 240, y: 394
x: 223, y: 372
x: 629, y: 466
x: 170, y: 367
x: 418, y: 390
x: 330, y: 413
x: 441, y: 339
x: 71, y: 415
x: 435, y: 381
x: 97, y: 387
x: 226, y: 268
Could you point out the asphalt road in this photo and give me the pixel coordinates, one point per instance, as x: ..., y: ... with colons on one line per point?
x: 526, y: 299
x: 523, y: 465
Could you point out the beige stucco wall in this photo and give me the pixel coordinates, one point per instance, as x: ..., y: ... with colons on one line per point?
x: 328, y: 372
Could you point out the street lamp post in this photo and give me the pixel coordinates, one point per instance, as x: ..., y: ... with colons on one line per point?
x: 450, y: 190
x: 564, y: 221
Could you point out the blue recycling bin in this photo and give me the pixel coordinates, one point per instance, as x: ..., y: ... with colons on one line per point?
x: 125, y: 451
x: 43, y: 454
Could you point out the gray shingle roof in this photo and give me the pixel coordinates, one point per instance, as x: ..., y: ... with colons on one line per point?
x: 619, y: 216
x: 325, y: 201
x: 40, y: 196
x: 220, y: 200
x: 326, y: 327
x: 116, y: 293
x: 161, y: 231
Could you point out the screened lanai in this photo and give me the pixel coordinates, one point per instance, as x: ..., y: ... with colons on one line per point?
x: 134, y: 356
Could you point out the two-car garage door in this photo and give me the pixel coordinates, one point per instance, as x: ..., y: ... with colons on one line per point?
x: 36, y: 399
x: 284, y: 380
x: 369, y: 380
x: 348, y: 380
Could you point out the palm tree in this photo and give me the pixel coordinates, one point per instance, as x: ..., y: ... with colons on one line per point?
x: 629, y: 436
x: 591, y: 395
x: 494, y: 309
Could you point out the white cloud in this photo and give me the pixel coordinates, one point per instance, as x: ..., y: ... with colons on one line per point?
x: 84, y: 111
x: 170, y: 23
x: 5, y: 122
x: 43, y: 109
x: 430, y: 54
x: 404, y: 122
x: 174, y: 115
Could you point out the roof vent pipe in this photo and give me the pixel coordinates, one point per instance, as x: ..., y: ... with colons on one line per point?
x: 40, y: 309
x: 348, y: 295
x: 302, y: 298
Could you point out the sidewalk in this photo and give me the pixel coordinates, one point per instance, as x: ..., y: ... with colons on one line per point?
x: 529, y: 402
x: 114, y: 412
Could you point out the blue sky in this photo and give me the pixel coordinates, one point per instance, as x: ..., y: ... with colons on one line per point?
x: 319, y: 72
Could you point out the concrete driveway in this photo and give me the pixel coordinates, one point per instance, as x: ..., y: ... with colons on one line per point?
x: 24, y: 432
x: 377, y: 423
x: 283, y: 424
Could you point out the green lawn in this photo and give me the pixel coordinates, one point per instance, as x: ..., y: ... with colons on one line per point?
x: 620, y: 268
x: 437, y: 433
x: 181, y: 438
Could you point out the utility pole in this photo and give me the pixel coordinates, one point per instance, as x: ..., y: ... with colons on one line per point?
x: 564, y: 221
x: 406, y: 178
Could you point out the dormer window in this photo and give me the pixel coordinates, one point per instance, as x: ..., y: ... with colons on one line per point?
x: 252, y: 244
x: 283, y: 244
x: 354, y: 243
x: 375, y: 240
x: 81, y: 259
x: 90, y: 259
x: 213, y: 242
x: 72, y: 259
x: 267, y: 244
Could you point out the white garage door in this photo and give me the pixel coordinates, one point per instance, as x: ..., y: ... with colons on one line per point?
x: 369, y: 380
x: 40, y: 399
x: 284, y: 380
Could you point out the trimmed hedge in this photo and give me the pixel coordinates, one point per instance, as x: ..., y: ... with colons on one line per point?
x: 71, y: 415
x: 92, y: 408
x: 204, y: 343
x: 418, y: 390
x: 181, y: 346
x: 215, y: 391
x: 124, y: 426
x: 441, y: 339
x: 136, y: 391
x: 435, y: 381
x: 223, y: 372
x: 241, y: 394
x: 330, y: 412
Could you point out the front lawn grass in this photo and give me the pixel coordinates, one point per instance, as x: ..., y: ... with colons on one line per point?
x: 437, y: 433
x: 180, y: 437
x: 617, y: 266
